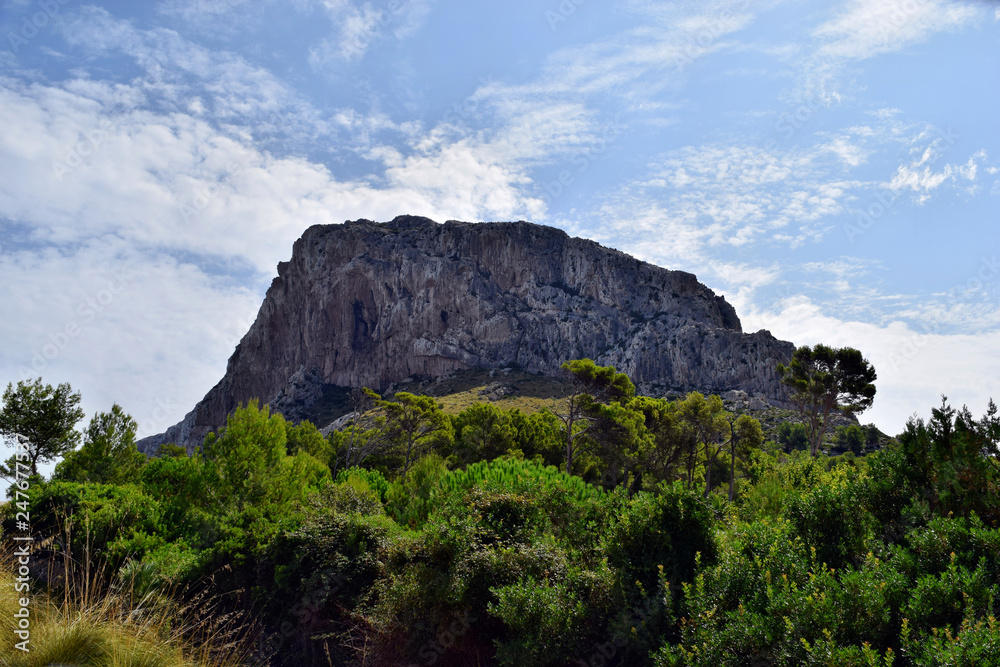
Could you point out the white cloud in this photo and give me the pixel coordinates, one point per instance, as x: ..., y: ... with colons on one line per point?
x: 865, y: 29
x: 913, y: 368
x: 358, y: 27
x: 105, y: 316
x: 179, y: 72
x: 697, y: 198
x: 920, y: 177
x: 868, y: 28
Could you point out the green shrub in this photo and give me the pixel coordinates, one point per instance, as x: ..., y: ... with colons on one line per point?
x: 365, y: 478
x: 973, y: 644
x: 766, y: 601
x: 792, y: 436
x: 658, y: 531
x: 850, y: 438
x: 408, y: 500
x: 834, y: 520
x: 105, y: 524
x: 544, y: 621
x: 942, y: 601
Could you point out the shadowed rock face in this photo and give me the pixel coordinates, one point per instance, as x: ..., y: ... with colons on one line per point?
x: 369, y: 304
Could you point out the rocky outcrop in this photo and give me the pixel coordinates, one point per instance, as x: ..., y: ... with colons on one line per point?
x: 370, y: 304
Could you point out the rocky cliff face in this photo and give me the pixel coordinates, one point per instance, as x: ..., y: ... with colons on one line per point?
x: 369, y: 304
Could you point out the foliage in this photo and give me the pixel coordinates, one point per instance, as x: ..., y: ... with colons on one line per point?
x: 396, y: 433
x: 850, y: 438
x: 41, y: 418
x: 96, y: 526
x: 483, y: 432
x: 792, y: 436
x: 364, y: 479
x: 662, y: 532
x: 591, y: 386
x: 108, y: 454
x: 822, y: 381
x: 832, y: 516
x: 481, y: 551
x: 305, y: 437
x: 517, y: 475
x: 703, y: 423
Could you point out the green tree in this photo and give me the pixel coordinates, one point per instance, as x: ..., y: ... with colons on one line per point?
x: 418, y: 421
x: 353, y: 447
x: 589, y: 384
x: 538, y: 435
x: 669, y: 438
x: 305, y: 437
x: 953, y: 458
x: 42, y: 417
x: 703, y: 421
x: 822, y: 381
x: 850, y: 438
x: 402, y: 429
x: 406, y: 427
x: 792, y: 436
x: 619, y: 437
x: 483, y: 432
x: 108, y: 454
x: 244, y: 459
x: 872, y: 436
x: 745, y: 435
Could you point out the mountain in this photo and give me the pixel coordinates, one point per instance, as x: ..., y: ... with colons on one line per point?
x: 372, y: 304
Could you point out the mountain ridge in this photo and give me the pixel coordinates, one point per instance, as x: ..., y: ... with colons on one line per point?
x: 370, y: 304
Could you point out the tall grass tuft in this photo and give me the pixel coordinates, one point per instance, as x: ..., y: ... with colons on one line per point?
x: 125, y: 624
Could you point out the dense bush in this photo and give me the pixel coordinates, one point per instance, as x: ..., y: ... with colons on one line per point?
x: 460, y: 541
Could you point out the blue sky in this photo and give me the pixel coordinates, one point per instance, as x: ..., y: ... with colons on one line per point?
x: 832, y: 168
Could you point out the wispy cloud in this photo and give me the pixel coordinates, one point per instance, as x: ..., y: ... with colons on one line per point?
x: 865, y: 29
x: 730, y: 195
x: 357, y: 27
x: 921, y: 178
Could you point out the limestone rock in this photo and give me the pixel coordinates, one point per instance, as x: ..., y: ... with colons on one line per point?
x: 370, y: 304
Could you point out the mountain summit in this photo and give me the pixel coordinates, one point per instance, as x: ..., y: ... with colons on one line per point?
x: 371, y: 304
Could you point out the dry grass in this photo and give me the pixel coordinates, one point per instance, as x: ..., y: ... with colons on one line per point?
x: 116, y: 627
x: 514, y: 389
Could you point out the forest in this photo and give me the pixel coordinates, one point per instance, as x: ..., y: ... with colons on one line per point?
x: 611, y: 529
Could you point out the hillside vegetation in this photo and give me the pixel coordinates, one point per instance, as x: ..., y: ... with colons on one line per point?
x: 606, y: 528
